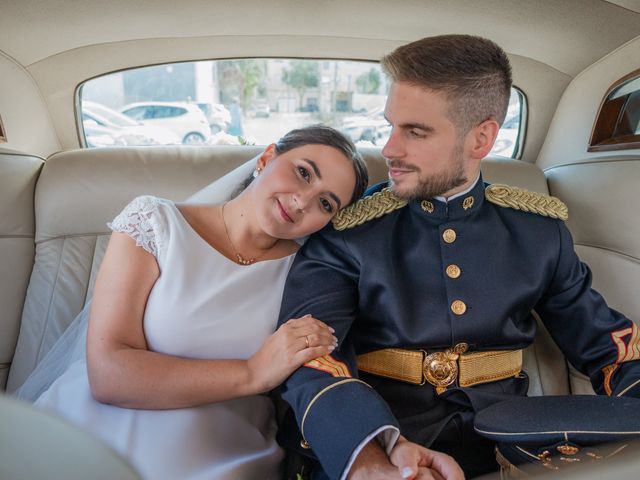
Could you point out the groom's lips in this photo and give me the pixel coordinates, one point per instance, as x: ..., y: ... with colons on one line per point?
x: 399, y: 172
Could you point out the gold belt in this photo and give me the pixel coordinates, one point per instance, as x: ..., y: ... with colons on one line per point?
x: 442, y: 369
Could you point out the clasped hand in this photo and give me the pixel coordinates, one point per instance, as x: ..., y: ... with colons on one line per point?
x: 408, y: 460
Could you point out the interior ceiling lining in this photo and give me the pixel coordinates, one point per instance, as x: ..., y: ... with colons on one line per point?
x: 566, y: 35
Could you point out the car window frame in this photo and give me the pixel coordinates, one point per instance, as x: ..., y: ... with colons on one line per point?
x: 599, y: 140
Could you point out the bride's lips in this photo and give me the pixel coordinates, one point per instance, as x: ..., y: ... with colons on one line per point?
x: 283, y: 213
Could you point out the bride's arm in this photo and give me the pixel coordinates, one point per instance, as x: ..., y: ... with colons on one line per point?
x: 123, y: 372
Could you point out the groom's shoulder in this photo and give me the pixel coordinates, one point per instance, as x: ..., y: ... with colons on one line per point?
x: 378, y: 201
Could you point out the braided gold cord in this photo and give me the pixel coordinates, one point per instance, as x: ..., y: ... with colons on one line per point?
x: 521, y: 199
x: 368, y: 208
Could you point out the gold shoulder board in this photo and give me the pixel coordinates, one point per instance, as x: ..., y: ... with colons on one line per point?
x: 521, y: 199
x: 367, y: 208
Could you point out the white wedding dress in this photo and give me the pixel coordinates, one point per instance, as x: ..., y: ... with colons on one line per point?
x: 202, y: 306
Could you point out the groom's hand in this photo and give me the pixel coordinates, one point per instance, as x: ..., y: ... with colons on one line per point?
x: 408, y: 461
x: 417, y: 462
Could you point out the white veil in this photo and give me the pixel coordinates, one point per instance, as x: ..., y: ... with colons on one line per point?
x: 69, y: 348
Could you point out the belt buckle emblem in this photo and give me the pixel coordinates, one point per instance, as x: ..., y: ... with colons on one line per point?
x: 440, y: 369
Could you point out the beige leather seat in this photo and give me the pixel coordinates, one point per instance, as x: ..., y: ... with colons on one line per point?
x: 36, y: 445
x: 18, y: 175
x: 604, y: 220
x: 80, y: 191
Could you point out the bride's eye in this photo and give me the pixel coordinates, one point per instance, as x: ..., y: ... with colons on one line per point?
x: 304, y: 173
x: 326, y: 205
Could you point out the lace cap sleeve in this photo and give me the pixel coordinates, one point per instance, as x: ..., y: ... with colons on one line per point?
x: 140, y: 220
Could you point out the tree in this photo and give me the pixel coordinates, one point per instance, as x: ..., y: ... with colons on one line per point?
x: 301, y: 75
x: 241, y: 78
x: 368, y: 82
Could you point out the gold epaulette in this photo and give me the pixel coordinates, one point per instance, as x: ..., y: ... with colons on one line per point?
x: 368, y: 208
x: 521, y: 199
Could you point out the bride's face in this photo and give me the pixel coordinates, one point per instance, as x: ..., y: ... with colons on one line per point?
x: 299, y: 191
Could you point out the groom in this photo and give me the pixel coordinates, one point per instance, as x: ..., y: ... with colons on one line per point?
x: 430, y: 283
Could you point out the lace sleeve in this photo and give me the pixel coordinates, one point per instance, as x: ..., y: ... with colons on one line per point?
x: 139, y: 220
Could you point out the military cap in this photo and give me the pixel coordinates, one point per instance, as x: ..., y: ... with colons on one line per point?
x: 558, y: 431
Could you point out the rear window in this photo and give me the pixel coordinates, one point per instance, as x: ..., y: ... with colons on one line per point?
x: 249, y: 101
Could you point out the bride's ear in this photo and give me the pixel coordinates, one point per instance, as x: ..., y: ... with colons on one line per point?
x: 266, y: 156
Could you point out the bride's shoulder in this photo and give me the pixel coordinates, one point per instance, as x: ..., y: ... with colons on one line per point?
x: 145, y: 220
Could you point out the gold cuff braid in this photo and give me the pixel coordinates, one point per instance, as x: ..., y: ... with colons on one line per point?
x: 368, y: 208
x: 521, y: 199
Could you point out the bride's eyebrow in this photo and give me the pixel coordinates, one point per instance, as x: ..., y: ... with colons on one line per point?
x: 335, y: 199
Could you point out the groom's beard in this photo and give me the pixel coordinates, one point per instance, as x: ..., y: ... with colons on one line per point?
x: 436, y: 184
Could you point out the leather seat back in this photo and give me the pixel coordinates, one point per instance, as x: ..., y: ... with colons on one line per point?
x: 18, y: 175
x: 80, y: 191
x: 603, y: 189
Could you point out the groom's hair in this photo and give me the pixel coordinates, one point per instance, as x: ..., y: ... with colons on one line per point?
x: 473, y: 72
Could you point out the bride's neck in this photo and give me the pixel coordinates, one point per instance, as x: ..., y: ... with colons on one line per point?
x: 243, y: 227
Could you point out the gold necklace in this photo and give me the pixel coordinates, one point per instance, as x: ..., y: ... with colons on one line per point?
x: 240, y: 259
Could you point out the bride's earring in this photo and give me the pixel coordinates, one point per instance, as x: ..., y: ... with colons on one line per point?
x: 256, y: 172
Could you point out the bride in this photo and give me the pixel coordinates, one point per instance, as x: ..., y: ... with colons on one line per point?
x: 180, y: 347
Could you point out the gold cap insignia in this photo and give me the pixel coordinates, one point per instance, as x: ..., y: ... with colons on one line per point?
x: 521, y: 199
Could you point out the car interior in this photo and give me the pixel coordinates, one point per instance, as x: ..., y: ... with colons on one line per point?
x: 569, y: 60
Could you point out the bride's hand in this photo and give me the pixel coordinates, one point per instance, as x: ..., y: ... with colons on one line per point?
x: 293, y: 344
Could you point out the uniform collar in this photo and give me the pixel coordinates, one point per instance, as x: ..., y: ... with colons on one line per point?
x: 458, y: 206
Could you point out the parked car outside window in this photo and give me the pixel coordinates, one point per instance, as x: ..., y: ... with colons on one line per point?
x: 120, y: 126
x: 186, y: 120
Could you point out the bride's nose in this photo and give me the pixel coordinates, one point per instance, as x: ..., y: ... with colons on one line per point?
x: 301, y: 200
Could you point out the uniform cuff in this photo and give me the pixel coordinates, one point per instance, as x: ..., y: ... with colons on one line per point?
x: 339, y: 421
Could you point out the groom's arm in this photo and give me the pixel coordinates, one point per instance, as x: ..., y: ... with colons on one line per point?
x: 337, y: 413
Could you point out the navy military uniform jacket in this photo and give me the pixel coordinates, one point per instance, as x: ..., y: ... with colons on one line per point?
x: 393, y: 282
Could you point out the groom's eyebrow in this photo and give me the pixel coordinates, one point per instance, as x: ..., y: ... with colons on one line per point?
x: 419, y: 126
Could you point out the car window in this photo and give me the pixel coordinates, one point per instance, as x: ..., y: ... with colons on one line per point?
x: 138, y: 112
x: 617, y: 125
x: 175, y: 111
x: 256, y: 101
x: 509, y: 142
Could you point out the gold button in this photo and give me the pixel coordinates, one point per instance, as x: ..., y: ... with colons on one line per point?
x: 449, y: 235
x: 304, y: 444
x: 453, y: 271
x: 427, y: 206
x: 458, y: 307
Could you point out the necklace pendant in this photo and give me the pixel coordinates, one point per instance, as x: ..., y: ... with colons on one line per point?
x: 243, y: 261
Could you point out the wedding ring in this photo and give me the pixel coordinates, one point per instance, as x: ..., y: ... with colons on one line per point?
x: 306, y: 341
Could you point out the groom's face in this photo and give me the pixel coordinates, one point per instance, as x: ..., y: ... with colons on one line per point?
x: 425, y: 154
